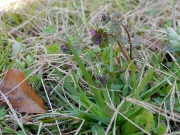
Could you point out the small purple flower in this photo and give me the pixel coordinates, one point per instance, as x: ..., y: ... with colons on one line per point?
x: 92, y: 32
x: 105, y: 18
x: 63, y: 47
x: 103, y: 79
x: 97, y: 42
x: 96, y: 37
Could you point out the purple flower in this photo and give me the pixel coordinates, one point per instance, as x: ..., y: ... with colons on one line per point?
x: 92, y: 32
x: 103, y: 79
x: 96, y: 37
x: 63, y: 47
x: 105, y: 18
x: 97, y: 42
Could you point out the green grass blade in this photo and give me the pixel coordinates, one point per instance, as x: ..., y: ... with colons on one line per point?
x: 79, y: 96
x: 144, y: 82
x: 97, y: 93
x: 64, y: 101
x: 111, y: 59
x: 89, y: 117
x: 96, y: 109
x: 60, y: 101
x: 153, y: 89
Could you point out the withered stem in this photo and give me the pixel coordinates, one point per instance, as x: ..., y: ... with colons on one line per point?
x: 129, y: 38
x: 123, y: 51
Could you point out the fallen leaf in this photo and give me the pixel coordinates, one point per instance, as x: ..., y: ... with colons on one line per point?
x: 23, y: 98
x: 155, y: 45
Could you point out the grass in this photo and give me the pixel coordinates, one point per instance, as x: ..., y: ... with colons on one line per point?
x: 89, y: 89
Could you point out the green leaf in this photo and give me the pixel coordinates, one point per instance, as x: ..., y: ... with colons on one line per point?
x: 154, y: 89
x: 2, y: 112
x: 123, y: 40
x: 97, y: 130
x: 111, y: 60
x: 53, y: 48
x: 1, y: 40
x: 78, y: 96
x: 139, y: 133
x: 97, y: 93
x: 8, y: 130
x: 114, y: 27
x: 97, y: 49
x: 19, y: 39
x: 112, y: 41
x: 20, y: 64
x: 91, y: 54
x: 16, y: 47
x: 50, y: 29
x: 128, y: 128
x: 148, y: 127
x: 174, y: 40
x: 148, y: 115
x: 116, y: 86
x: 29, y: 59
x: 79, y: 43
x: 162, y: 128
x: 138, y: 40
x: 89, y: 116
x: 144, y: 82
x: 20, y: 133
x: 140, y: 120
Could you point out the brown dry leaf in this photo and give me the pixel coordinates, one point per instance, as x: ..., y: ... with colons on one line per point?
x: 23, y: 98
x: 155, y: 45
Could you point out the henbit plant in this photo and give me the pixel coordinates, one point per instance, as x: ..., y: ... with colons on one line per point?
x: 114, y: 35
x: 98, y: 105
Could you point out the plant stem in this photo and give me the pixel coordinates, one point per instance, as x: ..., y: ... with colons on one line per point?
x: 123, y: 51
x: 129, y: 38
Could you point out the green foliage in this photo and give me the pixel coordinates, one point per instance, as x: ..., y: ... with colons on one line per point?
x: 140, y: 120
x: 144, y: 82
x: 174, y: 39
x: 20, y: 133
x: 53, y: 48
x: 29, y: 60
x: 79, y: 95
x: 5, y: 48
x: 8, y: 130
x: 148, y: 116
x: 17, y: 49
x: 137, y: 40
x: 148, y: 127
x: 50, y: 29
x: 20, y: 64
x: 3, y: 112
x: 15, y: 19
x: 97, y: 93
x: 97, y: 130
x: 162, y: 128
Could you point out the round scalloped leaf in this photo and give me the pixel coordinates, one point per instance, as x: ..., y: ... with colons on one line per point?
x: 148, y: 116
x: 148, y: 127
x: 138, y: 40
x: 140, y: 120
x: 162, y: 128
